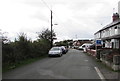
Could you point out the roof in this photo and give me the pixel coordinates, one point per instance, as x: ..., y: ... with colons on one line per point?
x: 110, y: 25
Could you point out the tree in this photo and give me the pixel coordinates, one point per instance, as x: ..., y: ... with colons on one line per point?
x: 44, y: 39
x: 46, y: 34
x: 4, y: 37
x: 64, y: 43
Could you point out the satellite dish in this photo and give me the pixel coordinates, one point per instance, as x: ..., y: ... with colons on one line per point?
x: 55, y: 24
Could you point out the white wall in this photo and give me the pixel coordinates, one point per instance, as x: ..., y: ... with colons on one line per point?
x: 97, y: 35
x: 112, y: 31
x: 119, y: 29
x: 115, y: 30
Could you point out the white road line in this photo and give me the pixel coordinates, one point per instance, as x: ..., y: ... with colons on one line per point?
x: 86, y: 60
x: 100, y: 74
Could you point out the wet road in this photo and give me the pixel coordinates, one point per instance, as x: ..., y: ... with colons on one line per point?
x: 73, y: 65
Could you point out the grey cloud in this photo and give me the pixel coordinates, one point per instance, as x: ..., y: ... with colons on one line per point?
x: 81, y: 22
x: 41, y: 17
x: 36, y: 3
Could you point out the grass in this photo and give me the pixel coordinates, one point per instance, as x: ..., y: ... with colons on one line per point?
x: 22, y: 63
x: 107, y: 67
x: 104, y: 65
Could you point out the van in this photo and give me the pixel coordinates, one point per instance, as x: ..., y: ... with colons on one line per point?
x: 85, y: 46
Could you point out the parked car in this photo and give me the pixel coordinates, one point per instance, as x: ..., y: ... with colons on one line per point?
x: 55, y: 51
x: 63, y: 49
x: 66, y: 49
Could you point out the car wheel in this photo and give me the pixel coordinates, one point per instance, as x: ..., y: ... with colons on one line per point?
x: 60, y: 55
x: 49, y: 55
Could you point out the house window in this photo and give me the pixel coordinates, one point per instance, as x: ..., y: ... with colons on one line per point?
x: 115, y: 27
x: 118, y: 30
x: 117, y: 44
x: 112, y: 31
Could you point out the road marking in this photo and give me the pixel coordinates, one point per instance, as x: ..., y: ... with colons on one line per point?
x: 86, y: 60
x: 100, y: 74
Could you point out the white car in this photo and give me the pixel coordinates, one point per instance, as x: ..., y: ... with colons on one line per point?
x: 55, y: 51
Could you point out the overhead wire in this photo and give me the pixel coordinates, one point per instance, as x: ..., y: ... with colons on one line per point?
x: 46, y: 5
x: 44, y: 2
x: 57, y: 18
x: 50, y: 9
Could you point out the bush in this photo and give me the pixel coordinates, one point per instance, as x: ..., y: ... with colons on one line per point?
x: 22, y: 49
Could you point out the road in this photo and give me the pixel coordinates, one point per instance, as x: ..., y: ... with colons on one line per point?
x: 73, y: 65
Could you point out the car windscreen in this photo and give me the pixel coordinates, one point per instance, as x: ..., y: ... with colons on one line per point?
x: 55, y: 48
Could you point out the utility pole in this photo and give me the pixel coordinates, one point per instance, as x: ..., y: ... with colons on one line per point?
x: 51, y: 31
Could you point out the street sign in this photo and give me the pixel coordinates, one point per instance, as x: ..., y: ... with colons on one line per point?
x: 98, y: 42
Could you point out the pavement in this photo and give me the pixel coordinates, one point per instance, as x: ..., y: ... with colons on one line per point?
x: 107, y: 72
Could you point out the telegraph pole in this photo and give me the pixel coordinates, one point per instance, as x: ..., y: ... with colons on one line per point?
x: 51, y: 31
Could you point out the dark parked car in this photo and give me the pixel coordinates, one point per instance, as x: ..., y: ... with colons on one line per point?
x: 63, y: 49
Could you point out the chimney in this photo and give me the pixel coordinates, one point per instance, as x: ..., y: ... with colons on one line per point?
x: 115, y: 16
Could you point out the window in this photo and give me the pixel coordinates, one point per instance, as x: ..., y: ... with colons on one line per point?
x: 115, y: 27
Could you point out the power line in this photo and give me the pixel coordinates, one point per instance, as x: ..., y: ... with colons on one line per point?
x: 46, y: 5
x: 51, y: 10
x: 57, y: 17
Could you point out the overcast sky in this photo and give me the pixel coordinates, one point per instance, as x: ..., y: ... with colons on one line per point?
x: 75, y: 18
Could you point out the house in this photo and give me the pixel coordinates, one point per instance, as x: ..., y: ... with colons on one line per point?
x: 110, y: 34
x: 110, y: 37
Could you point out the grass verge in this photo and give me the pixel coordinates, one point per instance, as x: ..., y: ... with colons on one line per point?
x: 22, y: 63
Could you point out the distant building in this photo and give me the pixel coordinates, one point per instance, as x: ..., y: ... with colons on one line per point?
x: 82, y: 41
x: 110, y: 34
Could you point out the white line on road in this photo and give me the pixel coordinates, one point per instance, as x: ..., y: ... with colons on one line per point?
x: 86, y: 60
x: 100, y: 74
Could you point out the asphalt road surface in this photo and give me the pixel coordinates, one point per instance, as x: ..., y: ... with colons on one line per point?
x: 73, y: 65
